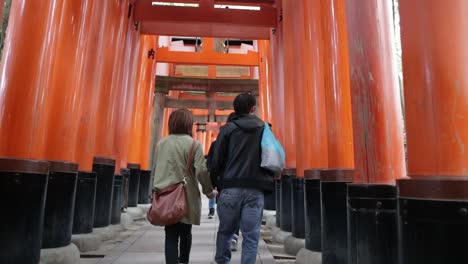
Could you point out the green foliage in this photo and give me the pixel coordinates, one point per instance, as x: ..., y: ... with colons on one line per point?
x: 4, y: 20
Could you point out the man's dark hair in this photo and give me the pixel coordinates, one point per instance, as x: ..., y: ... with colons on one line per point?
x: 244, y: 103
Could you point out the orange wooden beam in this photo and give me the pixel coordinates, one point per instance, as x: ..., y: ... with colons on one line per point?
x: 206, y: 58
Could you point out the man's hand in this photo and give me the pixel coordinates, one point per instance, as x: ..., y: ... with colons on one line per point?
x: 213, y: 194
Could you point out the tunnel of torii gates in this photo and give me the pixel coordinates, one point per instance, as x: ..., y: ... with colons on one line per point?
x: 79, y: 98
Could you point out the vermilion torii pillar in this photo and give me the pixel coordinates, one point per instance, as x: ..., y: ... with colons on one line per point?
x: 89, y: 77
x: 266, y: 107
x: 290, y: 83
x: 143, y: 90
x: 433, y: 203
x: 287, y: 35
x: 378, y: 133
x: 148, y: 121
x: 337, y: 84
x: 19, y: 83
x: 327, y: 221
x: 109, y: 96
x: 128, y: 98
x: 304, y: 80
x: 276, y: 46
x: 265, y: 104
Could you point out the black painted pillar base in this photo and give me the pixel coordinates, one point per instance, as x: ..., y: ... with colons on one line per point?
x: 334, y: 215
x: 372, y: 224
x: 23, y: 187
x: 144, y: 196
x: 133, y: 184
x: 286, y: 199
x: 104, y: 168
x: 433, y: 220
x: 313, y: 213
x: 117, y: 200
x: 85, y: 200
x: 126, y: 177
x: 278, y: 201
x: 270, y: 201
x: 297, y: 205
x: 60, y: 204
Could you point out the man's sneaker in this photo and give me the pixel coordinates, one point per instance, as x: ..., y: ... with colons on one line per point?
x: 211, y: 214
x: 234, y: 245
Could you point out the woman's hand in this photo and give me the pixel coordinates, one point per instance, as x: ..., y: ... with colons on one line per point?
x: 213, y: 194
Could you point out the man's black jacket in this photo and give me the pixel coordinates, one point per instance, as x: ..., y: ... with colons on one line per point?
x: 237, y: 153
x: 209, y: 163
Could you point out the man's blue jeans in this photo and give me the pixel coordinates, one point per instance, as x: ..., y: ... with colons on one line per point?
x: 212, y: 203
x: 239, y: 207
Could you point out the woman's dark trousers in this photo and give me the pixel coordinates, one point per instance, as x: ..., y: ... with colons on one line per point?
x: 175, y: 233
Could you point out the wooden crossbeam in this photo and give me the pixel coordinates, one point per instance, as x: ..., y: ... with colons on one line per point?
x: 248, y: 2
x: 205, y: 20
x: 168, y: 28
x: 197, y: 104
x: 204, y: 118
x: 207, y: 58
x: 165, y: 83
x: 206, y: 13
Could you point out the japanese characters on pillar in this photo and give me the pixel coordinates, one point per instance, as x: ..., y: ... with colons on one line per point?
x: 375, y: 93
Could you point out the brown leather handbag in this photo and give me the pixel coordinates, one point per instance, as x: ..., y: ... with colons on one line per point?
x: 169, y: 205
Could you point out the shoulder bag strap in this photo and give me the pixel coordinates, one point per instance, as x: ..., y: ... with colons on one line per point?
x: 190, y: 159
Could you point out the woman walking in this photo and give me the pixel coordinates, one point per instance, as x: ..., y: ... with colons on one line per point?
x: 171, y: 156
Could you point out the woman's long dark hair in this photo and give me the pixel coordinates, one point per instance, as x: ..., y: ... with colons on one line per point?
x: 181, y: 122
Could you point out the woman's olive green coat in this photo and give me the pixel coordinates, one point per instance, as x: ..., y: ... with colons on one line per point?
x: 169, y: 168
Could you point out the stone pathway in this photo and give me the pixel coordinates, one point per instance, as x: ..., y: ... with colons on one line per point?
x: 147, y: 246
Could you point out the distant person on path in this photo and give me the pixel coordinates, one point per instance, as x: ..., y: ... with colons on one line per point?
x: 211, y: 202
x: 171, y: 157
x: 241, y: 181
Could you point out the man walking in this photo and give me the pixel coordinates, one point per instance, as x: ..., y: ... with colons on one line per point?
x: 236, y: 161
